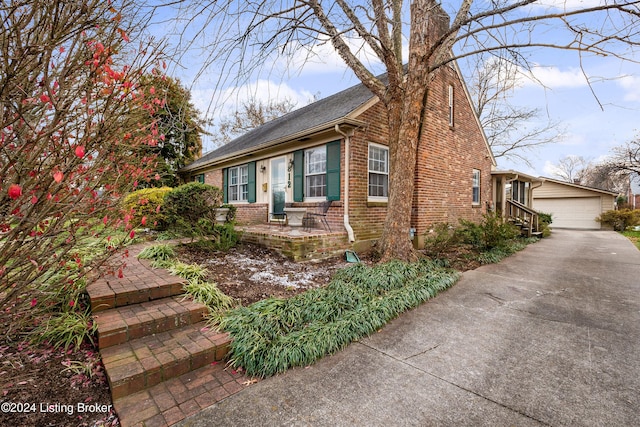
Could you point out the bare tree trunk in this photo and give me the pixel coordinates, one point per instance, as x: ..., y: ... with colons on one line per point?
x: 404, y: 129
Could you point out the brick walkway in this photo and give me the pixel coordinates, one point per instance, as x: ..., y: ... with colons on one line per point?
x: 162, y: 361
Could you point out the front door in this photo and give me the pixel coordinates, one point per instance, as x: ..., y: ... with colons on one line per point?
x: 278, y: 185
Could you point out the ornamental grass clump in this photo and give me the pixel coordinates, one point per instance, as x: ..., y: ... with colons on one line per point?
x: 273, y: 335
x: 161, y: 255
x: 207, y: 293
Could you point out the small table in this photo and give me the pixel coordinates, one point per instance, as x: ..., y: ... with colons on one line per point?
x: 295, y: 215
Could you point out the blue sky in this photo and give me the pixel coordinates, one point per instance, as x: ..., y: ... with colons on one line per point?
x: 595, y: 118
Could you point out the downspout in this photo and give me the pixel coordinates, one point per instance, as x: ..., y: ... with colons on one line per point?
x: 347, y: 139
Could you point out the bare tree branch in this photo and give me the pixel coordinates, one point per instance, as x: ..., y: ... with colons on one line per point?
x: 258, y: 33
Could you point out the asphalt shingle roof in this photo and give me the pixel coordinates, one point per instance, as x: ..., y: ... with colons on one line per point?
x: 311, y: 116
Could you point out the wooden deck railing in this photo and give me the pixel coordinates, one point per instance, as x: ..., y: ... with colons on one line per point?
x: 525, y: 214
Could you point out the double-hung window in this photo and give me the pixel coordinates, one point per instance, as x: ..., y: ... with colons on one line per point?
x: 378, y: 171
x: 475, y: 187
x: 315, y: 172
x: 238, y: 183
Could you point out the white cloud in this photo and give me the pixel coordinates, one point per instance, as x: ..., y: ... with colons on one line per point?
x: 631, y: 84
x: 215, y: 103
x: 550, y: 169
x: 567, y: 4
x: 553, y: 77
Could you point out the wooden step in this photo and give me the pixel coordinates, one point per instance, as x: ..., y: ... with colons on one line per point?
x: 138, y: 283
x: 142, y: 363
x: 121, y: 324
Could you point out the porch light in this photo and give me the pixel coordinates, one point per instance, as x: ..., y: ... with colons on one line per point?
x: 263, y: 168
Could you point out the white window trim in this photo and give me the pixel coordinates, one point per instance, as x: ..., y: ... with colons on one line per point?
x: 239, y: 184
x: 378, y: 198
x: 479, y: 174
x: 305, y: 175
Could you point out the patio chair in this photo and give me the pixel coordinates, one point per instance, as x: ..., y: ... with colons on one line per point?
x: 279, y: 204
x: 320, y: 216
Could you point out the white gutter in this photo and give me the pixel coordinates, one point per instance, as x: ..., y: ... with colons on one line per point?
x: 347, y: 139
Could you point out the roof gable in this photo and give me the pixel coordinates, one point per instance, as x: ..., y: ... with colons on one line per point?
x: 324, y: 112
x: 321, y: 115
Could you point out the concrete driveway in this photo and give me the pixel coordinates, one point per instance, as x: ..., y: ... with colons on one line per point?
x: 550, y: 336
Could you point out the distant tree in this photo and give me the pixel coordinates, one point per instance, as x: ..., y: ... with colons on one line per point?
x: 510, y: 129
x: 179, y: 127
x: 571, y: 168
x: 606, y: 177
x: 250, y: 115
x: 627, y: 156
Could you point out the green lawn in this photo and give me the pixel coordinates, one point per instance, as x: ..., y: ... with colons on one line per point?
x: 634, y: 236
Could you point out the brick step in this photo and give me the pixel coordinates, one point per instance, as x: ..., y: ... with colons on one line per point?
x: 139, y: 283
x: 121, y: 324
x: 142, y: 363
x: 172, y: 401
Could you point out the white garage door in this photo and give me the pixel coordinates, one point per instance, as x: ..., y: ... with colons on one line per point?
x: 578, y: 212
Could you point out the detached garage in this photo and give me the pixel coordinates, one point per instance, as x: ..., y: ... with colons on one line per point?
x: 572, y: 205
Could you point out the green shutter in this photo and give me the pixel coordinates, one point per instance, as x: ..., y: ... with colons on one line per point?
x: 225, y: 189
x: 333, y: 170
x: 251, y: 183
x: 298, y: 176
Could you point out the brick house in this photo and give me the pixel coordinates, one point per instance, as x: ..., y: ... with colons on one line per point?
x: 336, y: 149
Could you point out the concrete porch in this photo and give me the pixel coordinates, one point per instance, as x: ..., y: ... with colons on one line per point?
x: 296, y: 243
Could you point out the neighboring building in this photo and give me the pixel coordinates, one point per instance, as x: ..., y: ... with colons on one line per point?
x: 337, y: 149
x: 572, y: 205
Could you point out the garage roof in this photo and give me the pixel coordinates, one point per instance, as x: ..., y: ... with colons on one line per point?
x: 583, y: 187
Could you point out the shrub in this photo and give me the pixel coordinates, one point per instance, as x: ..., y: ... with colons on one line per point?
x: 190, y: 208
x: 221, y: 237
x: 545, y: 221
x: 231, y: 216
x: 545, y: 218
x: 441, y: 238
x: 146, y: 204
x: 621, y: 219
x: 492, y: 232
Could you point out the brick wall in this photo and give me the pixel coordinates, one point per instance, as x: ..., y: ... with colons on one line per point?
x: 366, y: 218
x: 447, y: 156
x: 300, y: 248
x: 213, y: 177
x: 252, y: 213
